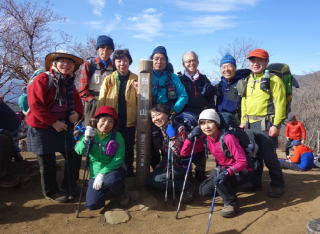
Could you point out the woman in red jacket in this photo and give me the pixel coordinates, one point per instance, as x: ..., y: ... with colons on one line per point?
x: 55, y: 106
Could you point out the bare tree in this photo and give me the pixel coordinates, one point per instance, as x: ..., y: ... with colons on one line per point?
x: 25, y: 38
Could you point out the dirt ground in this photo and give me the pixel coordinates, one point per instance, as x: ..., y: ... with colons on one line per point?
x: 24, y: 210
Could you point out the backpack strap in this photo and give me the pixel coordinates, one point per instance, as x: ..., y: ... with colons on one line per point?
x: 224, y: 146
x: 92, y: 67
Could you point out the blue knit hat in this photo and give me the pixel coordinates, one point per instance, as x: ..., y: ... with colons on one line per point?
x: 160, y: 50
x: 228, y: 58
x: 104, y: 40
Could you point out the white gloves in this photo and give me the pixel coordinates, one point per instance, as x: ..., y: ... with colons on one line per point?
x: 98, y: 181
x: 89, y: 133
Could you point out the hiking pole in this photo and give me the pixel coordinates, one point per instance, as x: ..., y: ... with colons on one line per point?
x: 186, y: 177
x: 172, y: 177
x: 167, y: 176
x: 211, y: 208
x: 84, y: 178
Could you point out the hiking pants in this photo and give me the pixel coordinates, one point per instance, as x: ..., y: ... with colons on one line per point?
x: 113, y: 186
x: 226, y: 190
x: 129, y: 140
x: 267, y: 153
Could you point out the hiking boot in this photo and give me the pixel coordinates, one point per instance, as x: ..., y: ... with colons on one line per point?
x: 58, y: 197
x: 229, y: 211
x: 188, y: 195
x: 124, y: 199
x: 275, y: 192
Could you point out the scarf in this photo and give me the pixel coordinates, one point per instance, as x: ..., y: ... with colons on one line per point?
x: 194, y: 77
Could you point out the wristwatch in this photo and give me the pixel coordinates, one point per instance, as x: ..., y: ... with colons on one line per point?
x: 278, y: 126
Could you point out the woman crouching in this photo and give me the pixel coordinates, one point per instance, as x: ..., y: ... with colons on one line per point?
x: 168, y: 139
x: 106, y: 158
x: 223, y: 176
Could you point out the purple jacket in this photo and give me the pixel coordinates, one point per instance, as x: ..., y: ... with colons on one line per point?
x: 235, y: 164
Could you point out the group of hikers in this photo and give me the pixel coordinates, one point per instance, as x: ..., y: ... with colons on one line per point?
x: 191, y: 119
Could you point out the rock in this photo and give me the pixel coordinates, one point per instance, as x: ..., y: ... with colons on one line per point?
x: 116, y: 216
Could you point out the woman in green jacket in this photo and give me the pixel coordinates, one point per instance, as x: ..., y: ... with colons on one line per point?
x: 106, y: 158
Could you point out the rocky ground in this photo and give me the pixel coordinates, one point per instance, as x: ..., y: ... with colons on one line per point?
x: 24, y: 210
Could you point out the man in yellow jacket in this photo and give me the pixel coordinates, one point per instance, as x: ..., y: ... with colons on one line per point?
x: 263, y: 108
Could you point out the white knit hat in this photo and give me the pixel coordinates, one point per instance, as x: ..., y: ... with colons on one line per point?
x: 209, y: 114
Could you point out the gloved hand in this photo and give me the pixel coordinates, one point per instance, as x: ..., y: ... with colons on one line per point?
x: 195, y: 133
x: 98, y: 181
x: 207, y: 88
x: 221, y: 178
x: 111, y: 148
x: 171, y: 131
x: 89, y: 133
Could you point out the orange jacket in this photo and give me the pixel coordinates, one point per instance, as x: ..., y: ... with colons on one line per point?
x: 298, y: 151
x: 296, y: 131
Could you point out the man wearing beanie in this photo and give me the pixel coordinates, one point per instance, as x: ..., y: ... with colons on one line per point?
x: 228, y: 101
x: 263, y: 109
x: 93, y: 72
x: 166, y: 88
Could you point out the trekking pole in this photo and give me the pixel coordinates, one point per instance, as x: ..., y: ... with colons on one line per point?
x: 186, y: 177
x: 84, y: 178
x: 172, y: 177
x: 211, y: 208
x: 167, y: 176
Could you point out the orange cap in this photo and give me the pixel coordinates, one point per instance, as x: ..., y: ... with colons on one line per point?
x: 259, y: 53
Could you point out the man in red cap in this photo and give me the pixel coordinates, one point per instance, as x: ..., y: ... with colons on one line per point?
x: 295, y: 130
x: 263, y: 108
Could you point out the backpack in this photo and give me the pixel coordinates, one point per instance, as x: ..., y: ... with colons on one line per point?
x: 283, y: 71
x: 247, y: 142
x: 188, y: 120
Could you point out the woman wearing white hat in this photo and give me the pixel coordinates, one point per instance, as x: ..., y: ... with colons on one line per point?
x: 222, y: 178
x: 54, y: 106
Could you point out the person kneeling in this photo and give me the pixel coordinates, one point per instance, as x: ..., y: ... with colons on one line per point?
x: 224, y: 176
x: 302, y: 159
x: 170, y: 140
x: 106, y: 159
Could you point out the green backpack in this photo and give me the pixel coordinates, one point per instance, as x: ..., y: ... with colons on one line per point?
x: 283, y: 71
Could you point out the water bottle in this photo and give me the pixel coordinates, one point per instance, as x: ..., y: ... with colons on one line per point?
x: 265, y: 81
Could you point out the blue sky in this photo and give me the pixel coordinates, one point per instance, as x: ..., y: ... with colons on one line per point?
x: 288, y: 30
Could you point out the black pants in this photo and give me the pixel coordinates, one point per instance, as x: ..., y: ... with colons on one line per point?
x: 48, y: 172
x: 287, y: 148
x: 267, y: 153
x: 129, y: 139
x: 226, y: 190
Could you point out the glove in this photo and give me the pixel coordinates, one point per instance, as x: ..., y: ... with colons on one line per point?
x: 195, y: 133
x: 89, y: 133
x: 206, y: 89
x: 98, y: 181
x: 221, y: 178
x: 171, y: 131
x: 111, y: 148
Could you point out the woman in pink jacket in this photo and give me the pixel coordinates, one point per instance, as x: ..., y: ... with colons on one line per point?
x: 223, y: 177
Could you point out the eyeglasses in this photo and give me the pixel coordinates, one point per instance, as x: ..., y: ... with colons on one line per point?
x: 190, y: 61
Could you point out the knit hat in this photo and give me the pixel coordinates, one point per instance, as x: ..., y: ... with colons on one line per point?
x: 292, y: 117
x: 107, y: 110
x: 160, y: 50
x: 228, y: 58
x: 294, y: 143
x: 209, y: 114
x: 259, y: 53
x: 104, y: 40
x: 62, y: 54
